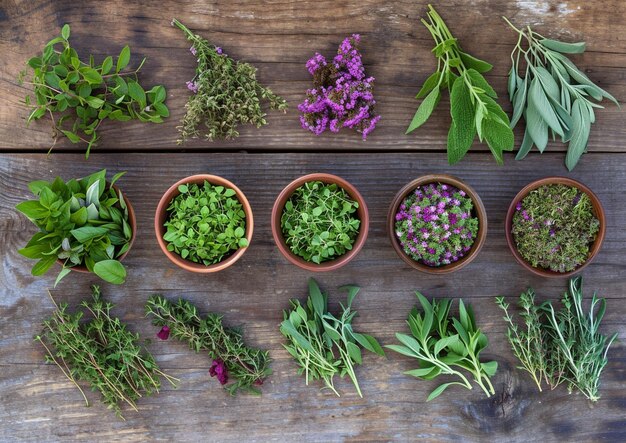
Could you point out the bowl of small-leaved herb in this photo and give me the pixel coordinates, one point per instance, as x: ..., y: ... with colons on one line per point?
x: 555, y: 226
x: 320, y: 222
x: 204, y: 223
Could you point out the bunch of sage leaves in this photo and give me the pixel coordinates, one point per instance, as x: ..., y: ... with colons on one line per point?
x: 84, y: 94
x: 81, y: 222
x: 554, y: 96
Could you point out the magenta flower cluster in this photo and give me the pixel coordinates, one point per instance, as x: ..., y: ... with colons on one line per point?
x: 342, y: 96
x: 218, y: 369
x: 435, y: 225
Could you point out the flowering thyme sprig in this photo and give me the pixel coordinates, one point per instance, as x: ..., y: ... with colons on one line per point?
x: 435, y: 225
x: 225, y: 93
x: 342, y: 95
x: 232, y: 359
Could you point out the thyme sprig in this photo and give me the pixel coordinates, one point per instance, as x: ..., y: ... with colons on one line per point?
x: 102, y: 352
x: 225, y: 93
x: 247, y: 366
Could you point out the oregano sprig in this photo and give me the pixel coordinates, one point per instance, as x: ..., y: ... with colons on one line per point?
x: 473, y: 103
x: 84, y: 94
x: 553, y: 96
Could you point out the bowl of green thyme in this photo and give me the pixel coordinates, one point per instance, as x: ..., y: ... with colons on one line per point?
x: 555, y: 226
x: 320, y: 222
x: 204, y: 223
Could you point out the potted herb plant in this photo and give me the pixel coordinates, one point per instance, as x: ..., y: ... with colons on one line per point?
x: 437, y: 224
x: 86, y: 225
x: 555, y: 226
x: 203, y: 223
x: 319, y: 222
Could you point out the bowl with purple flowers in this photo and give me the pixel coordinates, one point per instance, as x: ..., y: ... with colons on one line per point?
x: 437, y: 224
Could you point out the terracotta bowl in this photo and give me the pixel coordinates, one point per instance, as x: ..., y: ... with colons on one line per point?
x: 161, y: 217
x: 479, y: 210
x: 132, y: 221
x: 597, y: 209
x: 277, y: 212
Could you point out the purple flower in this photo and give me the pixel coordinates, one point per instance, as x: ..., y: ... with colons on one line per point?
x: 518, y: 206
x: 193, y: 50
x: 219, y: 50
x: 552, y: 233
x: 218, y: 369
x: 192, y: 86
x: 164, y: 333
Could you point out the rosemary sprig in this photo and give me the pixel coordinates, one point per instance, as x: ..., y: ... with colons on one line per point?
x: 247, y: 366
x: 101, y: 352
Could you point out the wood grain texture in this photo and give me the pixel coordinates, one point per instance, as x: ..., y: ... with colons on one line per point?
x: 278, y: 37
x: 38, y: 404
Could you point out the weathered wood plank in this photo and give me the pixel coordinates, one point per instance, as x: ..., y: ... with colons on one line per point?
x: 38, y: 404
x: 279, y: 37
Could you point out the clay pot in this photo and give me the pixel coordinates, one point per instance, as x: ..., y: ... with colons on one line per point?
x: 132, y: 221
x: 479, y: 211
x: 161, y: 217
x: 277, y: 212
x: 597, y: 209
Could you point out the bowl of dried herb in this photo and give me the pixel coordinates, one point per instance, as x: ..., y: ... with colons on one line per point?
x: 555, y: 226
x: 204, y: 223
x: 320, y: 222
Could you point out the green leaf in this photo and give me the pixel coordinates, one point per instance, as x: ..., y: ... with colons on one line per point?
x: 402, y: 350
x: 438, y: 391
x: 32, y: 209
x: 462, y: 130
x: 538, y: 100
x: 317, y: 299
x: 123, y: 59
x: 369, y: 343
x: 479, y: 81
x: 419, y: 373
x: 87, y: 233
x: 35, y: 251
x: 43, y: 265
x: 431, y: 82
x: 512, y: 83
x: 410, y: 342
x: 499, y: 137
x: 354, y: 352
x: 581, y: 126
x: 111, y: 271
x: 424, y: 110
x: 116, y: 177
x: 548, y: 83
x: 536, y: 127
x: 62, y: 274
x: 472, y: 62
x: 136, y: 92
x: 91, y: 75
x: 79, y: 217
x: 519, y: 103
x: 562, y: 47
x: 444, y: 342
x: 107, y: 65
x: 490, y: 368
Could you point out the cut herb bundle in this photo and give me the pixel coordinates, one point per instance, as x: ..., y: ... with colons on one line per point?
x: 91, y: 93
x: 102, y: 352
x: 554, y: 96
x: 564, y: 345
x: 322, y: 344
x: 473, y: 103
x: 226, y: 93
x: 232, y: 359
x: 441, y: 346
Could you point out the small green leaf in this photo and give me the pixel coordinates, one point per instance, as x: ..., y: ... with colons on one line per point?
x: 65, y: 31
x: 424, y: 110
x: 475, y: 63
x: 562, y: 47
x: 490, y: 368
x: 43, y: 265
x: 438, y: 391
x: 107, y: 65
x: 136, y: 92
x: 431, y: 82
x: 111, y: 271
x: 123, y: 59
x: 62, y: 274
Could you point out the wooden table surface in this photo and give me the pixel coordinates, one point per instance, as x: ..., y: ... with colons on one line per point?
x: 38, y: 404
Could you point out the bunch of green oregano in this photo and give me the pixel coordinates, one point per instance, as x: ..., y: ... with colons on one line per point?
x: 565, y: 345
x: 102, y: 352
x: 473, y: 103
x: 205, y: 223
x: 319, y: 221
x: 445, y: 345
x: 81, y: 222
x: 247, y: 366
x: 554, y: 96
x: 225, y: 93
x: 85, y: 94
x: 323, y: 344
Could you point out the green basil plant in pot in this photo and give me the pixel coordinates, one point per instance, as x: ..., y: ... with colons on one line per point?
x: 204, y: 223
x: 319, y: 222
x: 85, y: 225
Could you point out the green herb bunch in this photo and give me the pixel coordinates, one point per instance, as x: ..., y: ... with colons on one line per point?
x: 323, y: 344
x: 247, y: 366
x: 473, y: 103
x: 226, y: 93
x: 102, y: 352
x: 205, y: 223
x: 554, y: 96
x: 561, y: 345
x: 445, y: 345
x: 319, y: 222
x: 84, y: 94
x: 554, y: 227
x: 81, y: 222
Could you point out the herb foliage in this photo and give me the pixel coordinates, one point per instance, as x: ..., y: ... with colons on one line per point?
x: 102, y: 352
x: 319, y: 222
x: 325, y: 345
x: 473, y: 105
x: 248, y: 366
x: 83, y: 94
x: 81, y: 222
x: 445, y: 345
x: 205, y: 223
x: 553, y: 96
